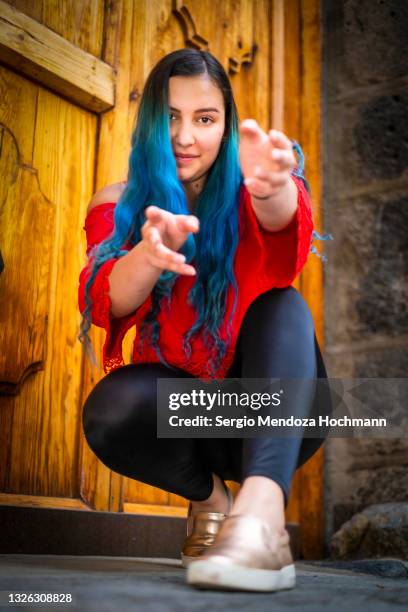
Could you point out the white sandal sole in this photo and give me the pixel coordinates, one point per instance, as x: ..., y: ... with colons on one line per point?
x: 210, y: 574
x: 186, y: 560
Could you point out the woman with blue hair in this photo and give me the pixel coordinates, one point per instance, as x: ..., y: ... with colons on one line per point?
x: 198, y: 250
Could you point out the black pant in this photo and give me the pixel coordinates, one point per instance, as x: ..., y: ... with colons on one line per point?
x: 276, y: 340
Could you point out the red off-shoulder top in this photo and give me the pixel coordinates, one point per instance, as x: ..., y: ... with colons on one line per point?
x: 263, y: 260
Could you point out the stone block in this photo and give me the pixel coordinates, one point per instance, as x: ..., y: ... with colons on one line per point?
x: 381, y: 363
x: 381, y: 485
x: 379, y: 530
x: 380, y: 135
x: 366, y: 274
x: 351, y: 492
x: 365, y: 41
x: 360, y: 472
x: 367, y: 140
x: 391, y: 362
x: 377, y: 453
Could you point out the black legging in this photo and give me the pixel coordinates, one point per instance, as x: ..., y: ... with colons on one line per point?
x: 276, y: 340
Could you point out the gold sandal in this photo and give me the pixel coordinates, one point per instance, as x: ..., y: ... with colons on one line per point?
x: 202, y: 527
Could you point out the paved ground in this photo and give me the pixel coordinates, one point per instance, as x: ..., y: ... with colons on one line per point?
x: 158, y: 585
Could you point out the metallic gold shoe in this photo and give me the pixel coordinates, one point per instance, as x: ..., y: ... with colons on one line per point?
x: 248, y: 555
x: 202, y: 527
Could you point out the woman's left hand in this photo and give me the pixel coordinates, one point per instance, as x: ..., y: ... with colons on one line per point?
x: 266, y: 159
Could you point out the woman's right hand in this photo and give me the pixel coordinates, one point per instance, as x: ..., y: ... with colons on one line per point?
x: 163, y: 234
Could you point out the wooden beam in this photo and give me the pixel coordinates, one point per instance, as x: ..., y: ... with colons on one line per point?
x: 155, y: 509
x: 40, y: 54
x: 311, y: 474
x: 277, y: 64
x: 41, y: 501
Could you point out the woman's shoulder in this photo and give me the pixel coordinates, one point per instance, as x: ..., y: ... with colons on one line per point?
x: 109, y: 193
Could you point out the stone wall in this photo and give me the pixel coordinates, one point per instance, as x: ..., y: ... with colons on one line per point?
x: 365, y: 208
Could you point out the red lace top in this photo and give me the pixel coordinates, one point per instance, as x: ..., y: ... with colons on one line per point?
x: 263, y: 260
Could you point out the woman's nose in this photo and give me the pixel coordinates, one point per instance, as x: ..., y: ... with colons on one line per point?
x: 184, y: 134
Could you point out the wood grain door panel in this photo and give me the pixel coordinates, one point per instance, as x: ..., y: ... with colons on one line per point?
x: 66, y: 133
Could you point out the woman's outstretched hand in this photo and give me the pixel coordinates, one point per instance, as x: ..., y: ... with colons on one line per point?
x: 163, y: 234
x: 266, y: 159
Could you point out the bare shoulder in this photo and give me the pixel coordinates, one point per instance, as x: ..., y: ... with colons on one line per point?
x: 109, y: 193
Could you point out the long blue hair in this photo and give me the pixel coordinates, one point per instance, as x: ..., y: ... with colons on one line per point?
x: 152, y: 179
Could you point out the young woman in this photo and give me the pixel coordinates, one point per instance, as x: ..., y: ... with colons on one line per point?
x: 198, y: 249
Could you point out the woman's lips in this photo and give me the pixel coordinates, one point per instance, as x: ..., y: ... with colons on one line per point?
x: 182, y: 160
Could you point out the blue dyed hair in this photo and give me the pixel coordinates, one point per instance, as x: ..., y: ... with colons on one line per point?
x: 152, y: 178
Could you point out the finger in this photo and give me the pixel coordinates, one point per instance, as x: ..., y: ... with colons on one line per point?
x: 265, y: 175
x: 249, y: 124
x: 155, y: 214
x: 279, y: 140
x: 153, y: 236
x: 179, y: 268
x: 262, y: 186
x: 160, y: 250
x: 273, y: 178
x: 278, y: 179
x: 152, y: 210
x: 260, y: 172
x: 165, y: 258
x: 258, y: 187
x: 250, y: 127
x: 285, y: 158
x: 187, y: 223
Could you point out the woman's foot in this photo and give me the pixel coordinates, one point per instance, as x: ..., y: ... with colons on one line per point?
x: 203, y: 524
x: 261, y: 497
x: 248, y: 555
x: 251, y: 549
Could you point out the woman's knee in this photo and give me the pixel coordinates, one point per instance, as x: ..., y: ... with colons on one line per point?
x: 285, y: 307
x: 122, y: 403
x: 277, y: 336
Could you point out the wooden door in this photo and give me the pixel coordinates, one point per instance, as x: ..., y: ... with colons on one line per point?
x: 71, y: 77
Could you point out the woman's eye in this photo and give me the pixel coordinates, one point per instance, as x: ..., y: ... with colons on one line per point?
x: 209, y: 120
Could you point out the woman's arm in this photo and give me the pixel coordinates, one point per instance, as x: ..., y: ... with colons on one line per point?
x: 133, y: 276
x: 131, y: 281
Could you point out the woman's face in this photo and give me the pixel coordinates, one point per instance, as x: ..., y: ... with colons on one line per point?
x: 197, y: 123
